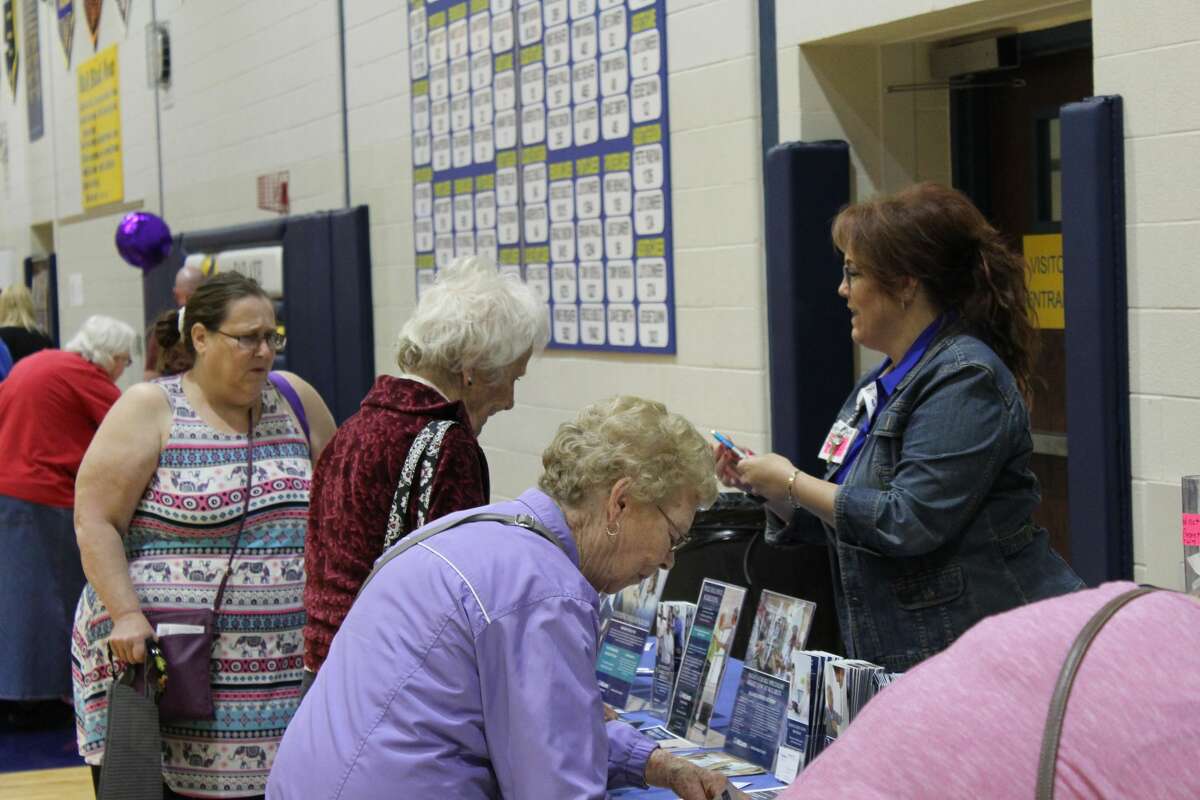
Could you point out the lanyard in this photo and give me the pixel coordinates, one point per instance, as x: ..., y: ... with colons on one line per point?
x: 875, y: 396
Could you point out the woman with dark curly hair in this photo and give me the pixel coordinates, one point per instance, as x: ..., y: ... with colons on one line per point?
x: 927, y: 498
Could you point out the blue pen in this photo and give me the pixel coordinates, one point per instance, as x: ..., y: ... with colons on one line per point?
x: 728, y: 443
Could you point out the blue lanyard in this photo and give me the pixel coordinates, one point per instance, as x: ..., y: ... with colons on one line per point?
x: 884, y: 388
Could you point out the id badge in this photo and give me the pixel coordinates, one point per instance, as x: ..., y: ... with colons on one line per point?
x: 837, y: 443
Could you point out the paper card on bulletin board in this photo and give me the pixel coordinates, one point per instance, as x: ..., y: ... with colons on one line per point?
x: 1044, y: 253
x: 100, y: 157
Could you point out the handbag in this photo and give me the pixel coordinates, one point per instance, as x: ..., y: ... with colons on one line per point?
x: 1062, y: 688
x: 188, y: 652
x: 132, y: 768
x: 422, y: 456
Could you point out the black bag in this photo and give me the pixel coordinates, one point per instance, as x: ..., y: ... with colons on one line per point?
x: 132, y: 768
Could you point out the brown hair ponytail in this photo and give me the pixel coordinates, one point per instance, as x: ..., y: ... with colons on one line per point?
x: 935, y: 234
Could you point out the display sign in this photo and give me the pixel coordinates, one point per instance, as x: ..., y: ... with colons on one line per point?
x: 100, y: 157
x: 704, y: 656
x: 758, y: 716
x: 541, y: 140
x: 1044, y: 252
x: 623, y: 638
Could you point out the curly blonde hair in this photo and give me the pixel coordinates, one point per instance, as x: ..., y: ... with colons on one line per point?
x: 628, y: 437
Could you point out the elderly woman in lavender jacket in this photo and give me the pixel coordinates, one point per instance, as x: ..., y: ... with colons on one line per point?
x: 466, y: 668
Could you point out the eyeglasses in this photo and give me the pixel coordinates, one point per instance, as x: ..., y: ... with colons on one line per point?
x: 679, y: 539
x: 849, y: 273
x: 250, y: 342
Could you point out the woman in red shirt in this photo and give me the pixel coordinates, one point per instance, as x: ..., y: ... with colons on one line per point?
x: 50, y: 406
x: 463, y: 349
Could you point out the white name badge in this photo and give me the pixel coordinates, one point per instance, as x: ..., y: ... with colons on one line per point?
x: 837, y: 443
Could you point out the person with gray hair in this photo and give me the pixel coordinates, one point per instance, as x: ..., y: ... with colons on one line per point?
x: 466, y: 667
x: 411, y: 453
x: 51, y: 405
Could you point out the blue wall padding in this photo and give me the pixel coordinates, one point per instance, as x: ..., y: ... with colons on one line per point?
x: 811, y: 354
x: 1097, y: 342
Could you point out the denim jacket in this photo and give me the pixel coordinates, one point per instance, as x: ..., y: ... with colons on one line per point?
x: 934, y: 525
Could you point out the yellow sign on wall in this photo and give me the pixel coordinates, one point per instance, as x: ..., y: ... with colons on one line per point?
x: 1044, y: 252
x: 100, y: 158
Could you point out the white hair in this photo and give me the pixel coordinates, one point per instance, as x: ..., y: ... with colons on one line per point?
x: 101, y: 339
x: 472, y: 317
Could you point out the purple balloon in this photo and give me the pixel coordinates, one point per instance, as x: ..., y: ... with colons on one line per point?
x: 143, y: 240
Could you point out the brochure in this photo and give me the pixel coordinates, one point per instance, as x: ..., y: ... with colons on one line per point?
x: 624, y: 638
x: 672, y: 621
x: 781, y: 627
x: 759, y: 712
x: 709, y: 639
x: 667, y: 740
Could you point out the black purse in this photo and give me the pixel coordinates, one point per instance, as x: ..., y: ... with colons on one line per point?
x: 132, y: 768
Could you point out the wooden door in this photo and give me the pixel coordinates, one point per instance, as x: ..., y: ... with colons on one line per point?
x: 1014, y: 135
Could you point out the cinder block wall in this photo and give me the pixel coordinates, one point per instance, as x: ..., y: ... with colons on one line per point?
x: 718, y: 378
x: 1149, y: 54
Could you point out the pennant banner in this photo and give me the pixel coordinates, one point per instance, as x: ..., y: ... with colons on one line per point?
x: 33, y: 68
x: 66, y: 26
x: 123, y: 7
x: 10, y: 46
x: 91, y: 10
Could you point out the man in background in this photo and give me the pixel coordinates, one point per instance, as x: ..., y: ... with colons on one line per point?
x: 186, y: 280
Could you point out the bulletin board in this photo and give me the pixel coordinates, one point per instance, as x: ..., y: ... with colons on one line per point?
x: 540, y: 139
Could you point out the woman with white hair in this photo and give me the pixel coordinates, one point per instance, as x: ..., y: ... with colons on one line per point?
x: 50, y: 407
x: 18, y: 325
x: 411, y: 453
x: 466, y: 668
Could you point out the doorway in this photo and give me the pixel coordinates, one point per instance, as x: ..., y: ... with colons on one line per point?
x: 1005, y: 149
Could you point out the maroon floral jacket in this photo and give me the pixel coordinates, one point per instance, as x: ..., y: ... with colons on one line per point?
x: 352, y: 491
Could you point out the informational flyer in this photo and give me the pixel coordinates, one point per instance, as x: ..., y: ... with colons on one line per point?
x: 704, y: 656
x: 624, y: 637
x: 617, y: 662
x: 672, y: 621
x: 781, y: 627
x: 541, y: 139
x: 759, y: 712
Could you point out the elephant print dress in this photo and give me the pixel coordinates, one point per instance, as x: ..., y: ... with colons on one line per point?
x: 178, y: 543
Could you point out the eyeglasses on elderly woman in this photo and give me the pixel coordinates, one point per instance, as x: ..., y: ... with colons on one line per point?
x: 679, y: 539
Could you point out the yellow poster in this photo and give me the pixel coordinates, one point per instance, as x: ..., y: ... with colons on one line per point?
x: 100, y: 130
x: 1044, y: 252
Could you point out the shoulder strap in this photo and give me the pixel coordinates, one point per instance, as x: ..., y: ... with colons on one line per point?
x: 526, y: 521
x: 423, y: 453
x: 284, y: 388
x: 1062, y: 689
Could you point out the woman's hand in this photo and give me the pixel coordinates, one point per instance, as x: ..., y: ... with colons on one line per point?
x: 686, y: 779
x: 727, y: 468
x: 128, y: 638
x: 767, y: 475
